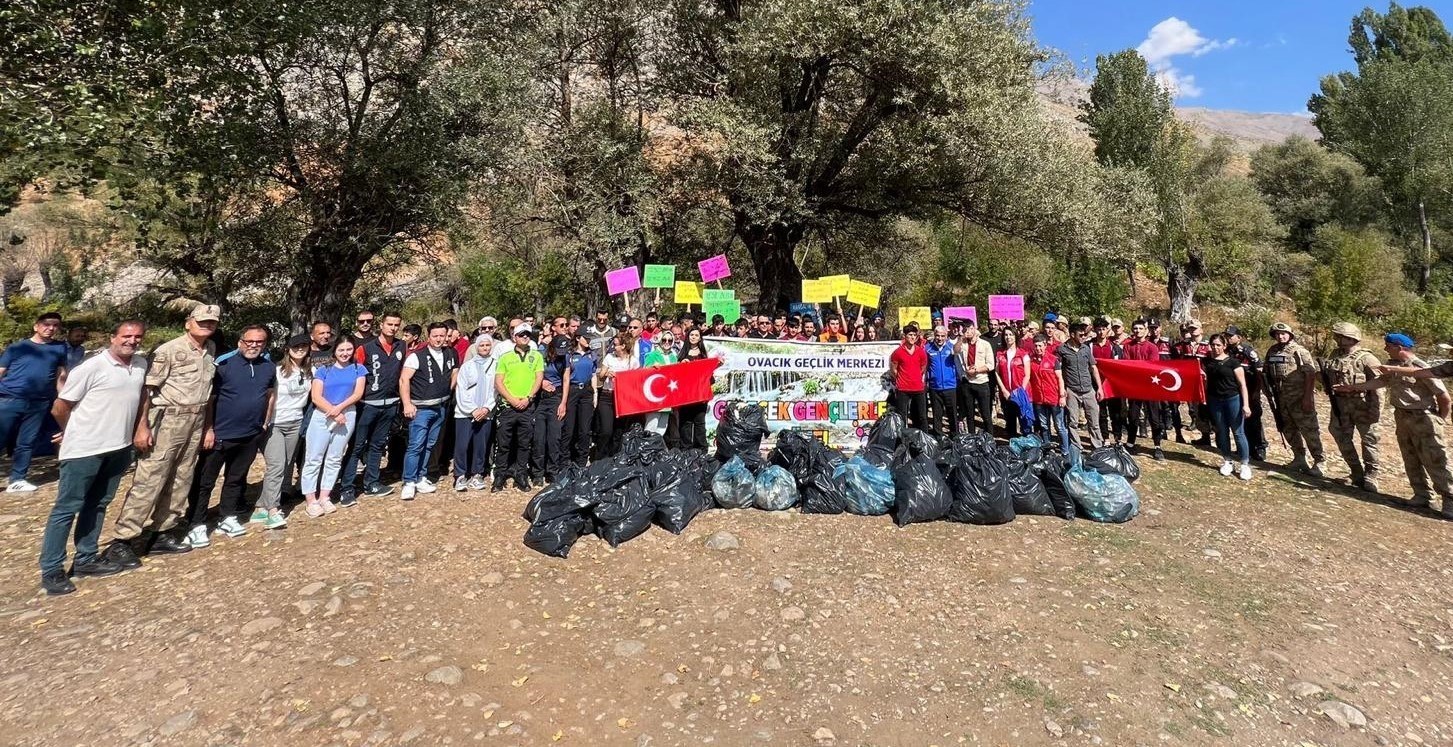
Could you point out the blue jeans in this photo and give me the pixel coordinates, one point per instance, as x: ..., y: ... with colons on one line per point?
x: 370, y: 436
x: 1046, y: 414
x: 22, y: 418
x: 423, y: 433
x: 1226, y: 416
x: 471, y: 445
x: 87, y: 485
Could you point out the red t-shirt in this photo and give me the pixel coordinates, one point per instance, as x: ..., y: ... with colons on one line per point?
x: 1142, y: 351
x: 911, y: 367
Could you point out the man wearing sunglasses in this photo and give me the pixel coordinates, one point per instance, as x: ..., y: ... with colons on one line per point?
x: 363, y: 330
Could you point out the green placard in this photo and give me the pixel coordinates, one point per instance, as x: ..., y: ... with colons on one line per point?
x: 730, y: 310
x: 719, y: 295
x: 660, y: 276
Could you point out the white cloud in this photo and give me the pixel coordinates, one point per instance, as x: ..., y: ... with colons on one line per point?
x: 1173, y: 38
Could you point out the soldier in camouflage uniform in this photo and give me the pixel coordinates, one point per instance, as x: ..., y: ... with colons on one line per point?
x: 1354, y: 412
x: 1420, y: 406
x: 1291, y: 378
x: 173, y: 416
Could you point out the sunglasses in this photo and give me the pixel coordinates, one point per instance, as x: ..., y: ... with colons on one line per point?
x: 364, y: 321
x: 490, y: 327
x: 634, y: 327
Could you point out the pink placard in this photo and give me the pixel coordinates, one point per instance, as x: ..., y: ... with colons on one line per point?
x: 961, y: 313
x: 622, y: 280
x: 1006, y: 307
x: 714, y: 268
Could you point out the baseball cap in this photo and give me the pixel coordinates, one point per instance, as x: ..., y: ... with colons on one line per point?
x: 203, y: 312
x: 1232, y: 329
x: 1399, y: 339
x: 1193, y: 324
x: 623, y: 320
x: 523, y: 329
x: 561, y: 343
x: 300, y: 341
x: 1051, y: 318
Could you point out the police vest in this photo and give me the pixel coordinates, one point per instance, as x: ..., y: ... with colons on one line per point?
x: 430, y: 383
x: 383, y: 368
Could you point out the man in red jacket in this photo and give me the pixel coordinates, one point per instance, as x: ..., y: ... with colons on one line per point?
x: 1140, y: 348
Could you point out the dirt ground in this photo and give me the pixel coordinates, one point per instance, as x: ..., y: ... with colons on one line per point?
x: 1227, y: 613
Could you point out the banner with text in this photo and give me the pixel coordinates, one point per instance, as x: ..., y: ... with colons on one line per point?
x: 831, y: 392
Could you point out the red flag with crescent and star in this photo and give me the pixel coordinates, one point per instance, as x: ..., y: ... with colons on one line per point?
x: 651, y: 389
x: 1179, y: 380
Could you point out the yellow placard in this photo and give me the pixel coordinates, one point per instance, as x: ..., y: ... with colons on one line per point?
x: 837, y: 284
x: 867, y: 294
x: 920, y: 314
x: 816, y: 291
x: 687, y: 292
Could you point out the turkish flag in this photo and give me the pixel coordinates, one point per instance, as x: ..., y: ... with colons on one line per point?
x: 1179, y: 380
x: 651, y: 389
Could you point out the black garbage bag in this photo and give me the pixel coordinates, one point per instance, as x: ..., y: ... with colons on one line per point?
x: 569, y: 494
x: 733, y: 486
x: 556, y: 536
x: 793, y: 453
x: 624, y: 511
x: 776, y: 489
x: 1030, y: 496
x: 920, y: 492
x: 883, y: 440
x: 1051, y: 470
x: 740, y: 432
x: 979, y: 482
x: 1029, y: 448
x: 917, y: 443
x: 970, y: 444
x: 1113, y: 460
x: 812, y: 464
x: 641, y: 447
x: 675, y: 483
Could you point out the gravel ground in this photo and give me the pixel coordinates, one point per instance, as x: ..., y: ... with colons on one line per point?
x: 1268, y: 613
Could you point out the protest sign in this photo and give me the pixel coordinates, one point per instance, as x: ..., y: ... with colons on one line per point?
x: 838, y: 284
x: 864, y: 294
x: 714, y: 268
x: 920, y: 314
x: 1006, y: 307
x: 719, y: 295
x: 659, y: 276
x: 961, y: 314
x: 623, y: 280
x: 730, y: 309
x: 687, y: 292
x: 816, y: 291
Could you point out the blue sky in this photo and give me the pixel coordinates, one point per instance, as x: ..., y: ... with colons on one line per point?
x: 1251, y: 55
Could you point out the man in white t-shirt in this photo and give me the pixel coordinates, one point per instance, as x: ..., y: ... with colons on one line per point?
x: 425, y: 386
x: 96, y: 410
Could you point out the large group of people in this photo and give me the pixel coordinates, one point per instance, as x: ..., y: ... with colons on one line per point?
x: 474, y: 410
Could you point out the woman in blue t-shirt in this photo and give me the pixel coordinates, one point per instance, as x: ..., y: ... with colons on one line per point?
x: 336, y: 389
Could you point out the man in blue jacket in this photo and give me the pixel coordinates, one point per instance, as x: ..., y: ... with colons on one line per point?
x: 943, y: 383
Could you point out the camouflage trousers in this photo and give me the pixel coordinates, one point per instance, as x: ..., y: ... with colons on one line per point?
x: 1425, y: 453
x: 158, y: 494
x: 1302, y: 431
x: 1369, y: 461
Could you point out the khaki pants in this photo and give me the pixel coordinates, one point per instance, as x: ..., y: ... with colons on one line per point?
x: 1343, y: 431
x: 1425, y: 453
x: 158, y: 495
x: 1302, y: 431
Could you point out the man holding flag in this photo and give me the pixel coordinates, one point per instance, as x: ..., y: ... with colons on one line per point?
x: 1145, y: 380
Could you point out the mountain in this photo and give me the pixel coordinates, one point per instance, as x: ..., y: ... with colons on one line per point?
x: 1249, y: 130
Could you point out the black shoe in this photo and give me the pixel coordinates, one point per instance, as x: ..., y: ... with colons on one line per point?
x: 55, y: 583
x: 1259, y: 455
x: 166, y: 544
x: 348, y: 500
x: 98, y: 568
x: 377, y: 491
x: 499, y: 484
x: 123, y: 554
x: 523, y: 483
x: 1159, y: 455
x: 1180, y: 439
x: 1206, y: 442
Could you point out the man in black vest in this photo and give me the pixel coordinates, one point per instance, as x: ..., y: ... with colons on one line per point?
x: 424, y: 386
x: 383, y: 356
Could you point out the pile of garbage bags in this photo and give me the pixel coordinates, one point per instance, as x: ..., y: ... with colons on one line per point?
x: 900, y: 471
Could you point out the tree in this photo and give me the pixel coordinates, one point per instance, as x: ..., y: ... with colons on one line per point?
x: 809, y: 116
x: 1308, y: 186
x: 1395, y: 116
x: 1126, y: 111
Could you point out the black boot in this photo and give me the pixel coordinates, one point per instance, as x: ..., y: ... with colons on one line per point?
x: 56, y: 583
x: 123, y: 554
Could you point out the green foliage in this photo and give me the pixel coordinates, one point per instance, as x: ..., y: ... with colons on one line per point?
x: 1092, y: 287
x: 1357, y: 279
x: 1307, y: 186
x: 1126, y: 111
x: 502, y: 285
x: 973, y: 263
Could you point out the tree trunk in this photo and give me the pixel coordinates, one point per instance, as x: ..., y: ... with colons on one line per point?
x: 1425, y: 268
x: 1181, y: 287
x: 772, y: 250
x: 330, y: 268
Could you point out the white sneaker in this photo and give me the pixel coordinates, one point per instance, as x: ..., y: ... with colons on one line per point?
x: 197, y: 536
x: 422, y: 481
x: 1245, y: 473
x: 424, y: 486
x: 21, y: 486
x: 407, y: 494
x: 1227, y: 469
x: 478, y: 483
x: 461, y: 484
x: 231, y: 527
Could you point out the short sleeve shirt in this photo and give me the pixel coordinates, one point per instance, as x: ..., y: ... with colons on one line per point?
x: 519, y: 371
x: 105, y: 395
x: 31, y: 369
x: 182, y: 373
x: 339, y: 383
x: 911, y: 368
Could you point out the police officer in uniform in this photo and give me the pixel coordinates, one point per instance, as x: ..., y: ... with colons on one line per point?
x: 1291, y: 379
x: 169, y: 431
x: 1251, y: 362
x: 1420, y: 409
x: 1354, y: 412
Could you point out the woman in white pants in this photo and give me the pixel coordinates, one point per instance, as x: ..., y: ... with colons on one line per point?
x: 336, y: 389
x: 285, y: 429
